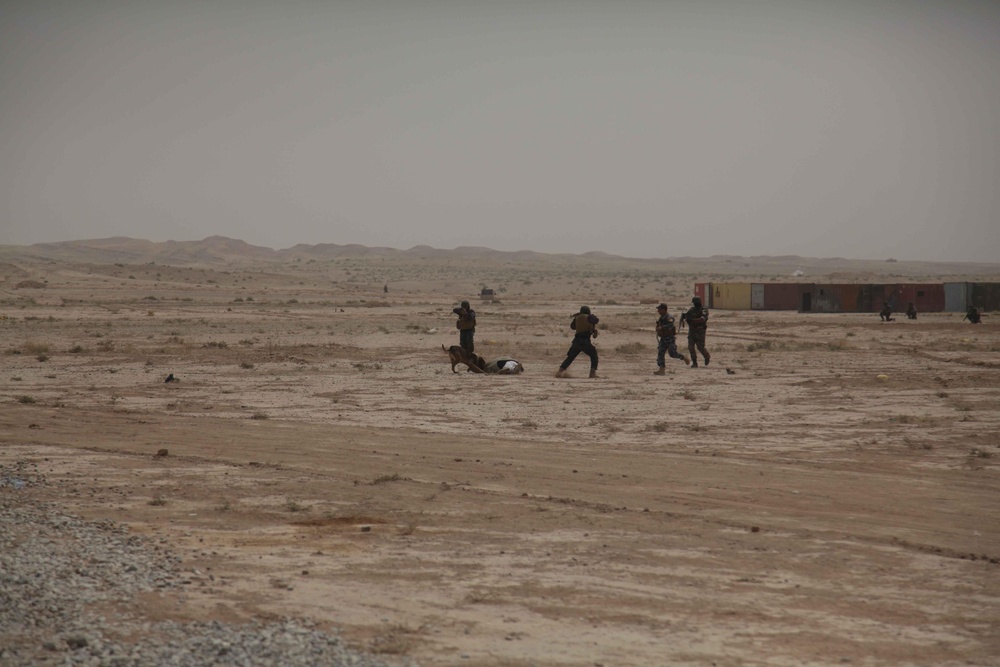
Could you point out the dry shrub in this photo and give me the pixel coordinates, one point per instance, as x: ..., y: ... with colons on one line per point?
x: 33, y: 347
x: 382, y: 479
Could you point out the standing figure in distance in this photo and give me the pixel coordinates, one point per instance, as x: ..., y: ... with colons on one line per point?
x: 973, y: 315
x: 466, y: 325
x: 696, y: 319
x: 911, y: 312
x: 886, y: 313
x: 585, y: 326
x: 666, y: 335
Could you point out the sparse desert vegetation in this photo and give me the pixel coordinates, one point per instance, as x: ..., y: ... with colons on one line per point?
x: 839, y: 473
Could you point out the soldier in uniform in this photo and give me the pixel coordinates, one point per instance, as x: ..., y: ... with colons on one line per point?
x: 696, y: 319
x: 466, y: 325
x: 886, y: 313
x: 585, y: 325
x: 973, y: 315
x: 666, y: 335
x: 911, y: 312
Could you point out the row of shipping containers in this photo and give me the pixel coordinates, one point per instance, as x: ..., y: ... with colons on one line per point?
x: 849, y: 297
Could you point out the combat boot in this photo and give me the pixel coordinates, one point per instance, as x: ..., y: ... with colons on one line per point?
x: 707, y: 359
x: 593, y: 373
x: 686, y: 360
x: 561, y: 373
x: 660, y: 371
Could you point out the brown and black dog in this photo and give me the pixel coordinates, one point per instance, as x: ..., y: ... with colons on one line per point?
x: 458, y: 355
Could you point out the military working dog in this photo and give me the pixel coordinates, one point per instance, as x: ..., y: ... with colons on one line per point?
x: 457, y: 355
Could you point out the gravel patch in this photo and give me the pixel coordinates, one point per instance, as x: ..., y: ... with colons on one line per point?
x: 56, y: 570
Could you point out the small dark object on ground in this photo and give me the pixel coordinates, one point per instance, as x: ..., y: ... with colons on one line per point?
x: 162, y: 452
x: 171, y: 378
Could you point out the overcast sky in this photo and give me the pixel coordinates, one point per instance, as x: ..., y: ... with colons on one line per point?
x: 856, y: 128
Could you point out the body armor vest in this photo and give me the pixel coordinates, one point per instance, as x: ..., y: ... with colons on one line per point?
x: 665, y: 326
x: 583, y: 325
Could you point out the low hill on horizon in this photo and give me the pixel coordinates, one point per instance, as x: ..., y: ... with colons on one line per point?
x: 216, y: 251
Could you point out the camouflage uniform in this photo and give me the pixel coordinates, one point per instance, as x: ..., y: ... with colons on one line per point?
x: 666, y: 333
x: 466, y: 326
x: 697, y: 320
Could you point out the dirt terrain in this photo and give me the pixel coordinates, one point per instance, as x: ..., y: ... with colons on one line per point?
x: 827, y: 491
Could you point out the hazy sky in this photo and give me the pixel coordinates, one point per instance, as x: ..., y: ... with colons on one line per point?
x: 857, y: 128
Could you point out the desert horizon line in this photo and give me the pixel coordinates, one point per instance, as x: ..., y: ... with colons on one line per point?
x: 422, y: 246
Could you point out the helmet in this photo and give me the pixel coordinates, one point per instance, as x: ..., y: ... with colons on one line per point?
x: 465, y: 304
x: 585, y: 310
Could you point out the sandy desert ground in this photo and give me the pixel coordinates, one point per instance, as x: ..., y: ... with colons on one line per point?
x: 783, y: 506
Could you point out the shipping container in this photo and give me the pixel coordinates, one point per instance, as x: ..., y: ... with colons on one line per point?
x: 782, y: 296
x: 731, y: 296
x: 875, y: 296
x: 805, y: 298
x: 956, y: 297
x: 837, y: 298
x: 926, y: 298
x: 704, y: 292
x: 984, y: 296
x: 849, y: 297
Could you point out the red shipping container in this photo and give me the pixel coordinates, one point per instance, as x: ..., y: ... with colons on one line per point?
x: 925, y: 297
x: 701, y: 290
x: 837, y: 298
x: 783, y: 296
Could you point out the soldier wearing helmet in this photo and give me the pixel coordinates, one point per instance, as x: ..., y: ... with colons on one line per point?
x: 697, y: 320
x: 886, y: 313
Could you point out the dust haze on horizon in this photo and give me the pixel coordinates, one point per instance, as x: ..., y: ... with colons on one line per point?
x: 639, y: 128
